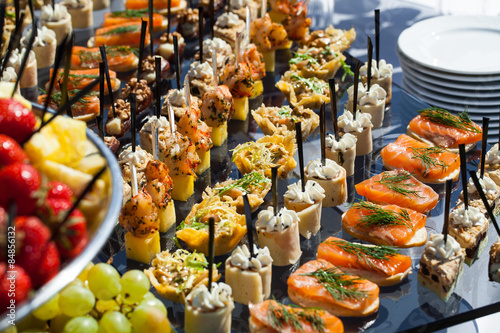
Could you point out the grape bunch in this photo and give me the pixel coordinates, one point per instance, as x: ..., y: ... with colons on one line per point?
x: 100, y: 301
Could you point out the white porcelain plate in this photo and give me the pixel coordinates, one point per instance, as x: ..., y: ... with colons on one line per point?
x: 456, y: 44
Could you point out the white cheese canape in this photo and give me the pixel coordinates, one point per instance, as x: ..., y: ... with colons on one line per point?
x: 307, y: 205
x: 381, y: 75
x: 492, y: 164
x: 343, y: 152
x: 369, y: 101
x: 57, y: 19
x: 331, y: 177
x: 494, y: 263
x: 249, y: 277
x: 44, y: 47
x: 81, y: 13
x: 280, y: 234
x: 209, y: 311
x: 361, y: 128
x: 30, y: 73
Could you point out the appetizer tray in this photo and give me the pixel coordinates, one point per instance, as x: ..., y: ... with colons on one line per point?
x: 404, y: 307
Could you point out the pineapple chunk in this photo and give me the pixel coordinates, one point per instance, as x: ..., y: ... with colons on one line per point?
x: 277, y: 16
x: 167, y: 216
x: 6, y: 89
x: 205, y: 161
x: 240, y: 108
x: 142, y: 249
x: 258, y: 89
x: 269, y: 57
x: 183, y: 187
x: 219, y: 134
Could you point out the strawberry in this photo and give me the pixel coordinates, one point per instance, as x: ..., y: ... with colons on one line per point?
x: 31, y: 242
x: 19, y: 182
x: 71, y: 237
x: 10, y: 151
x: 21, y: 280
x: 58, y: 190
x: 49, y: 266
x: 53, y: 211
x: 16, y: 120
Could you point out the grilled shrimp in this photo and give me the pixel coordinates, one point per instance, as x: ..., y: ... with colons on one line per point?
x: 196, y: 129
x: 139, y: 215
x: 255, y: 60
x: 217, y: 106
x: 297, y: 23
x: 238, y: 78
x: 179, y: 154
x: 267, y: 35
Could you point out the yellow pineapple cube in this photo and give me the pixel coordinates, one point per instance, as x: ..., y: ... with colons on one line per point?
x: 204, y: 156
x: 219, y: 134
x: 142, y: 249
x: 258, y: 89
x: 240, y: 108
x: 167, y: 216
x: 277, y: 16
x: 183, y: 187
x: 269, y: 57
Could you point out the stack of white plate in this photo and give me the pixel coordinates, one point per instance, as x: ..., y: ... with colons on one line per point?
x: 453, y: 62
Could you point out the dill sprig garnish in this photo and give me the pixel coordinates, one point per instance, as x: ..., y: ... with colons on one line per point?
x: 346, y: 69
x: 250, y: 179
x: 123, y: 30
x: 340, y: 285
x: 396, y: 183
x: 313, y: 83
x: 279, y: 315
x: 130, y: 13
x: 299, y: 57
x: 424, y: 155
x: 441, y: 116
x: 286, y: 113
x: 380, y: 217
x: 365, y: 253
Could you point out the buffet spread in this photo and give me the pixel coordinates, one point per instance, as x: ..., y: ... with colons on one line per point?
x: 249, y: 202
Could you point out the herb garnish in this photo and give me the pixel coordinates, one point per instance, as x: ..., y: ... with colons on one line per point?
x: 441, y: 116
x: 286, y: 113
x: 424, y: 155
x: 396, y: 183
x: 130, y: 13
x: 122, y: 30
x: 346, y: 68
x: 279, y: 315
x: 250, y: 179
x: 380, y: 217
x: 365, y: 253
x: 299, y: 57
x: 340, y: 285
x: 313, y: 83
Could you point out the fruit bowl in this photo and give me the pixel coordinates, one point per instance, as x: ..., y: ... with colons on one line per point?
x: 98, y: 231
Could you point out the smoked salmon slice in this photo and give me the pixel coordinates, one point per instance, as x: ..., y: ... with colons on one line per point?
x: 120, y: 58
x: 375, y: 263
x: 122, y: 34
x: 427, y: 163
x: 157, y: 4
x: 86, y: 108
x: 398, y: 187
x: 441, y: 128
x: 318, y: 283
x: 79, y: 79
x: 385, y: 225
x: 272, y: 316
x: 134, y: 15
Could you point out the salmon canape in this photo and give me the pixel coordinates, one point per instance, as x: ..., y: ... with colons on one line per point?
x: 120, y: 58
x: 273, y: 317
x: 438, y: 127
x: 398, y: 187
x: 85, y: 109
x: 427, y: 163
x: 382, y: 265
x: 135, y: 15
x: 122, y: 34
x: 160, y: 5
x: 79, y: 79
x: 320, y: 284
x: 385, y: 225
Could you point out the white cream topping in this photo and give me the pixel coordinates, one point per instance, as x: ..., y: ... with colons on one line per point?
x: 241, y: 258
x: 237, y: 4
x: 460, y: 217
x: 137, y: 158
x: 284, y: 219
x: 347, y: 141
x: 44, y: 36
x: 200, y: 71
x: 176, y: 97
x: 349, y: 124
x: 488, y: 185
x: 315, y: 169
x: 384, y: 70
x: 203, y: 300
x: 441, y: 250
x: 153, y: 122
x: 75, y: 3
x: 9, y: 75
x: 16, y: 58
x: 216, y: 44
x: 493, y: 155
x: 227, y: 20
x: 313, y: 192
x: 57, y: 14
x: 375, y: 96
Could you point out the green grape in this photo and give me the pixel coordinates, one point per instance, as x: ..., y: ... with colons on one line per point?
x: 149, y: 319
x: 76, y: 301
x: 83, y: 275
x: 148, y: 295
x: 81, y: 325
x: 134, y: 285
x: 48, y: 310
x: 114, y: 322
x: 103, y: 306
x: 104, y: 281
x: 57, y: 324
x: 156, y: 303
x: 76, y: 282
x: 10, y: 329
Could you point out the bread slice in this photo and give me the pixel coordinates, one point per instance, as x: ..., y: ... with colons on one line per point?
x: 417, y: 136
x: 454, y: 175
x: 379, y: 279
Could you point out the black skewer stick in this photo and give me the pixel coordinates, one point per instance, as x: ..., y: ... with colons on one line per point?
x: 355, y: 96
x: 67, y: 66
x: 377, y: 35
x: 169, y: 16
x: 480, y: 191
x: 141, y: 47
x: 69, y: 112
x: 463, y: 171
x: 300, y: 148
x: 24, y: 61
x: 2, y: 21
x: 17, y: 10
x: 333, y: 101
x: 13, y: 44
x: 447, y: 203
x: 484, y: 142
x: 100, y: 126
x: 369, y: 71
x: 99, y: 118
x: 53, y: 3
x: 133, y: 125
x: 200, y: 32
x: 228, y: 6
x: 248, y: 218
x: 104, y: 58
x: 158, y: 86
x: 211, y: 248
x: 150, y: 13
x: 177, y: 63
x: 212, y: 13
x: 274, y: 182
x: 322, y: 131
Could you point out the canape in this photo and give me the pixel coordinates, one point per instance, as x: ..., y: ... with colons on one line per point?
x: 300, y: 91
x: 188, y: 23
x: 29, y: 79
x: 217, y: 108
x: 238, y: 78
x: 57, y: 19
x: 268, y: 36
x: 81, y: 13
x: 338, y: 40
x: 317, y: 62
x: 494, y: 262
x: 166, y: 47
x: 343, y: 151
x: 226, y: 27
x: 381, y: 75
x: 331, y: 177
x: 361, y: 128
x: 369, y: 101
x: 200, y: 78
x: 44, y: 47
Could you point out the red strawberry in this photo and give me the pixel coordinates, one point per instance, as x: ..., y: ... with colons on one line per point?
x: 10, y: 151
x: 71, y: 237
x: 49, y: 265
x: 19, y: 182
x: 58, y: 190
x: 16, y: 120
x: 53, y: 211
x: 17, y: 275
x: 31, y: 243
